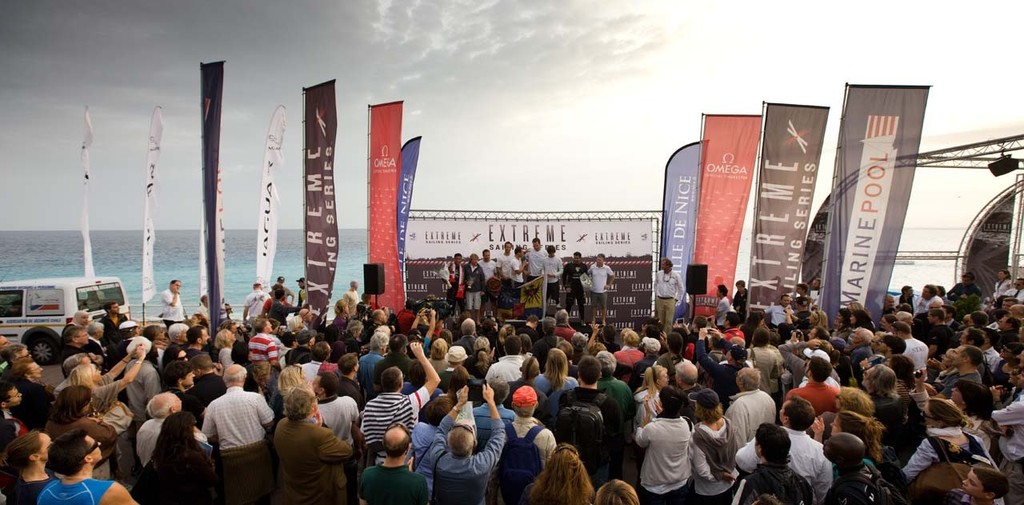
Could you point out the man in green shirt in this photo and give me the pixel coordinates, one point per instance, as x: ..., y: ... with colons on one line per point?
x: 618, y: 391
x: 392, y: 482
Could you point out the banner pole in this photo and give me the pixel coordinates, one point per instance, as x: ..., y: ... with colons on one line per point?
x: 832, y: 205
x: 369, y: 118
x: 758, y: 162
x: 302, y: 186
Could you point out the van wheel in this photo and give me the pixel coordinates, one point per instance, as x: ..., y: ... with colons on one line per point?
x: 43, y: 350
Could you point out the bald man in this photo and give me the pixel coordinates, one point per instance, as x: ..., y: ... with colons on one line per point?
x: 392, y: 481
x: 857, y: 484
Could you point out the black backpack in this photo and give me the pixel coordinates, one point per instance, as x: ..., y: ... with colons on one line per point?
x: 874, y: 488
x: 581, y: 424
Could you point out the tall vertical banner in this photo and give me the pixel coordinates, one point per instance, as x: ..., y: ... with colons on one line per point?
x: 321, y: 224
x: 988, y: 248
x: 878, y: 145
x: 213, y: 209
x: 814, y: 245
x: 410, y: 158
x: 270, y: 201
x: 679, y: 211
x: 790, y: 154
x: 385, y: 159
x: 156, y: 133
x: 86, y: 239
x: 727, y: 163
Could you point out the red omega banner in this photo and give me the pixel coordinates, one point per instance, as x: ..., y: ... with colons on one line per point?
x: 385, y: 165
x: 727, y: 169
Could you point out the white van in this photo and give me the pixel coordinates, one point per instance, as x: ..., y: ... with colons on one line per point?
x: 35, y: 312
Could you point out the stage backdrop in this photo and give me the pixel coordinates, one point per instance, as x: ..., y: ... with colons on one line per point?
x: 626, y: 244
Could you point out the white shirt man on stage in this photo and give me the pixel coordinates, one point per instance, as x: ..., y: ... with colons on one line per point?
x: 668, y: 290
x: 552, y: 267
x: 601, y: 277
x: 929, y: 294
x: 535, y: 261
x: 505, y: 266
x: 171, y: 298
x: 352, y: 297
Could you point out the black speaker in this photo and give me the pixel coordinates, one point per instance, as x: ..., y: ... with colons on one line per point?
x: 373, y: 278
x: 696, y: 279
x: 1003, y: 166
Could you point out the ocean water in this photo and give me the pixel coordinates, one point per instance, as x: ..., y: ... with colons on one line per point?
x: 35, y: 254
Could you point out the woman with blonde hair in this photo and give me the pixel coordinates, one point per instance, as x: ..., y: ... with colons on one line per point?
x: 438, y: 354
x: 480, y: 361
x: 646, y: 397
x: 340, y: 314
x: 630, y: 353
x: 105, y: 387
x: 866, y: 428
x: 555, y: 379
x: 291, y: 377
x: 616, y: 492
x: 564, y: 480
x: 946, y: 440
x: 224, y: 342
x: 767, y: 358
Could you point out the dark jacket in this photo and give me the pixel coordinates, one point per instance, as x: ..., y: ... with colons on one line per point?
x: 723, y: 374
x: 188, y: 481
x: 776, y: 479
x: 854, y: 486
x: 208, y: 388
x: 540, y: 350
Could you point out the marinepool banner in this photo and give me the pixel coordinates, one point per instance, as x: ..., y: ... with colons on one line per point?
x: 213, y: 208
x: 814, y: 245
x: 385, y: 167
x: 321, y: 222
x: 679, y: 211
x: 878, y: 141
x: 727, y: 169
x: 988, y: 249
x: 626, y: 244
x: 790, y: 153
x: 410, y: 159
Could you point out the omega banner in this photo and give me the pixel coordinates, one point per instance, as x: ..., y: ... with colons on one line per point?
x: 878, y: 142
x: 790, y: 153
x: 321, y: 222
x: 730, y: 149
x: 385, y: 168
x: 627, y: 246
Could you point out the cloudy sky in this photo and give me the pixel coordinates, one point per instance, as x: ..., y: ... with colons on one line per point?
x: 523, y: 105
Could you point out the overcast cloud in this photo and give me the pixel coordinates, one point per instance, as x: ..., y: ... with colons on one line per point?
x: 522, y: 105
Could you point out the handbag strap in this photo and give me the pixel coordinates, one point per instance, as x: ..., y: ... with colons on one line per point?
x: 945, y: 455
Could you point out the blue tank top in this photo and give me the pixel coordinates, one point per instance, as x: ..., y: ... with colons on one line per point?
x: 87, y: 492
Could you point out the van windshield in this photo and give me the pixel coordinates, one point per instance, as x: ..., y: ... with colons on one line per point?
x: 92, y: 298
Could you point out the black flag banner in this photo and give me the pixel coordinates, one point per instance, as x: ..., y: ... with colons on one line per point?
x: 321, y: 219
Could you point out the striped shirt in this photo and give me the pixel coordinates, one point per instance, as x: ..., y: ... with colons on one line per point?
x: 390, y: 408
x: 263, y: 348
x: 237, y: 418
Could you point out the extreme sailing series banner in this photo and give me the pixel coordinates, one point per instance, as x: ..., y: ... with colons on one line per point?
x: 213, y: 208
x: 878, y: 145
x: 626, y: 244
x: 790, y: 153
x: 321, y: 223
x: 679, y: 212
x: 385, y: 168
x: 730, y: 149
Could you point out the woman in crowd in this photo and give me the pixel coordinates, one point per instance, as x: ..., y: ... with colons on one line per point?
x: 480, y: 361
x: 880, y: 383
x: 860, y: 318
x: 975, y: 400
x: 416, y: 379
x: 27, y: 377
x: 73, y: 409
x: 438, y: 353
x: 945, y: 423
x: 291, y: 377
x: 530, y: 370
x: 105, y: 387
x: 224, y: 343
x: 564, y: 480
x: 505, y: 332
x: 755, y: 320
x: 28, y: 455
x: 340, y: 314
x: 841, y: 324
x: 555, y: 380
x: 713, y: 449
x: 646, y: 397
x: 766, y: 358
x: 865, y: 428
x: 262, y: 379
x: 630, y: 352
x: 429, y: 419
x: 616, y: 492
x: 184, y: 468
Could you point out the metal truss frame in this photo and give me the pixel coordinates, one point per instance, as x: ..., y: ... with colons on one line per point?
x: 976, y: 155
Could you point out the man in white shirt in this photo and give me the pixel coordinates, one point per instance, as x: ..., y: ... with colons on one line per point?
x: 490, y: 268
x: 340, y: 413
x: 724, y: 306
x: 171, y: 298
x: 751, y: 407
x: 668, y: 290
x: 916, y: 350
x: 601, y: 277
x: 161, y: 406
x: 352, y: 297
x: 552, y: 267
x: 508, y: 366
x: 806, y: 457
x: 504, y: 265
x: 254, y: 303
x: 535, y: 261
x: 781, y: 313
x: 517, y: 265
x: 929, y: 295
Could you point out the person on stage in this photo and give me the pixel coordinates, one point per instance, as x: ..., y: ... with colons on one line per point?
x: 573, y: 287
x: 668, y: 290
